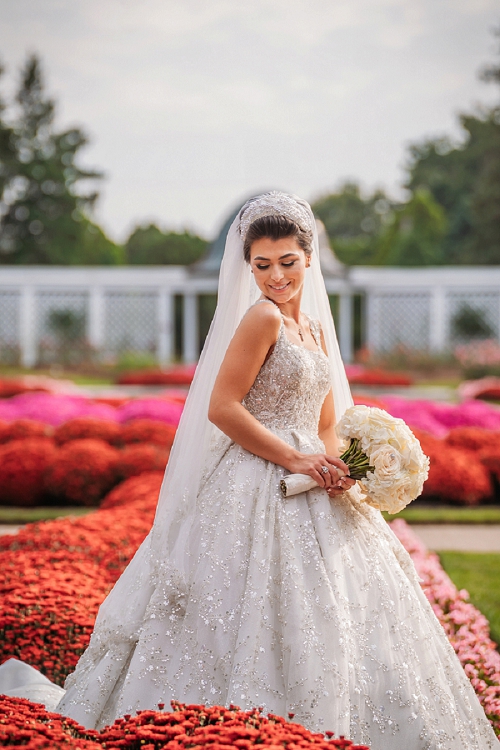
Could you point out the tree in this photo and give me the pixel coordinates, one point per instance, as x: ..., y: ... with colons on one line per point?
x: 148, y: 245
x: 415, y: 235
x: 353, y: 223
x: 465, y: 180
x: 45, y: 209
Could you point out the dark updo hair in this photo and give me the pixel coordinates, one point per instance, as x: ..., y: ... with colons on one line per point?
x: 276, y: 228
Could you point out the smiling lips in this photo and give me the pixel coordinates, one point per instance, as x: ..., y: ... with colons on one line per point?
x: 279, y: 288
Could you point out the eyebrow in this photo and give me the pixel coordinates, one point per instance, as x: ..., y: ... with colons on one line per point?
x: 287, y: 255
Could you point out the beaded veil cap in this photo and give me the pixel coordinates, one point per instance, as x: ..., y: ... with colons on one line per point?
x: 275, y: 203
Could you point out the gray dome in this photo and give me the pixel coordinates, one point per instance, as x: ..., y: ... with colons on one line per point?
x: 209, y: 264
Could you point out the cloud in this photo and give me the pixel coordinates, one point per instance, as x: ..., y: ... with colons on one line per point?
x: 192, y: 104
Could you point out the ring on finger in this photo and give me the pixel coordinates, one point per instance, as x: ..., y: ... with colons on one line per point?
x: 325, y: 469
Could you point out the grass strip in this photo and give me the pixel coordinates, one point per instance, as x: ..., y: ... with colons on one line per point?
x: 42, y: 513
x: 479, y: 573
x: 448, y: 514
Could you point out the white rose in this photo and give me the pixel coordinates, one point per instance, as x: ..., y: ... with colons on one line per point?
x: 386, y: 461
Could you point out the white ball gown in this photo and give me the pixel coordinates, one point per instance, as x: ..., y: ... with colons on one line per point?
x: 307, y: 605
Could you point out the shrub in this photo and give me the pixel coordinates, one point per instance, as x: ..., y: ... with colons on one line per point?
x: 54, y: 577
x: 136, y: 459
x: 159, y: 409
x: 181, y: 375
x: 24, y: 428
x: 186, y: 726
x: 148, y: 431
x: 23, y: 464
x: 456, y: 475
x: 86, y: 427
x: 141, y: 490
x: 472, y: 438
x: 84, y: 471
x: 489, y: 455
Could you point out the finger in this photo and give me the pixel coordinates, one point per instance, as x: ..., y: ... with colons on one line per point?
x: 318, y: 476
x: 327, y: 476
x: 338, y: 463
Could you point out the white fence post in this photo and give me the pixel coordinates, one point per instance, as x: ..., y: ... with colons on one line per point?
x: 345, y: 326
x: 165, y: 343
x: 438, y: 323
x: 190, y: 328
x: 96, y: 317
x: 27, y: 326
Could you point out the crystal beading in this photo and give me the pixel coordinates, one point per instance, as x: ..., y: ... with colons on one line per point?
x: 275, y: 203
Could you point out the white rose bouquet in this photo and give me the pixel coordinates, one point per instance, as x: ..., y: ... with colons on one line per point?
x: 383, y: 455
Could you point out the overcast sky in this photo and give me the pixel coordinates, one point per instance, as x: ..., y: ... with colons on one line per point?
x: 192, y: 105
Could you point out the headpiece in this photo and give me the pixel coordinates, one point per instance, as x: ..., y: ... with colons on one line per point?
x: 275, y: 203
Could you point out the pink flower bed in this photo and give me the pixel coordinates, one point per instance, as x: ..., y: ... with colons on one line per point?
x: 438, y: 418
x: 465, y: 626
x: 56, y: 409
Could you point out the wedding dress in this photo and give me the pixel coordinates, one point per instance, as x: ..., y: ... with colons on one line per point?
x: 305, y: 605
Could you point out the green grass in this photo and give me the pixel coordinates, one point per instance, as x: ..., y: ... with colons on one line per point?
x: 42, y: 513
x: 479, y: 573
x: 448, y: 514
x: 78, y: 378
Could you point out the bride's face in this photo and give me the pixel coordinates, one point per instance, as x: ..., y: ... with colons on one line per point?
x: 279, y: 267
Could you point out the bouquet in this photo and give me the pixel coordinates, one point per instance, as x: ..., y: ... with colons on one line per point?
x: 382, y: 454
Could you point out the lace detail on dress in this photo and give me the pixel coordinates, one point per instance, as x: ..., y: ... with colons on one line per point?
x: 289, y: 390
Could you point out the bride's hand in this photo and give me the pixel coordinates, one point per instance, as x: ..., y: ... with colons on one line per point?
x: 335, y: 480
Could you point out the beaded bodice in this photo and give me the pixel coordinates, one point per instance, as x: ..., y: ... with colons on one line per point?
x: 289, y: 390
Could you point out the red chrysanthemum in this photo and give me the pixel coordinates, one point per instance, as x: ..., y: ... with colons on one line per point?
x: 82, y: 428
x: 84, y: 471
x: 23, y: 464
x: 137, y: 459
x: 142, y: 489
x: 148, y: 431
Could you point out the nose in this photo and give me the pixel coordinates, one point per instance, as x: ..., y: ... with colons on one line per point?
x: 276, y: 273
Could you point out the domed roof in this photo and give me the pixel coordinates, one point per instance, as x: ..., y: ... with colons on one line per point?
x: 209, y: 264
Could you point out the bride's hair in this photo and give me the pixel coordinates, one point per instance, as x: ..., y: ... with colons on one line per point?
x: 276, y: 228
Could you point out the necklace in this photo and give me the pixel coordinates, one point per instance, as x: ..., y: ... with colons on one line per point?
x: 299, y: 329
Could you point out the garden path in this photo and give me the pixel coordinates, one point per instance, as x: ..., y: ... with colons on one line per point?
x: 459, y: 537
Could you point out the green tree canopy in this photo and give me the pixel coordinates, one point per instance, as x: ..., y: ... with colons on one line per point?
x: 354, y: 223
x: 44, y: 206
x: 464, y: 180
x: 148, y: 245
x: 415, y: 234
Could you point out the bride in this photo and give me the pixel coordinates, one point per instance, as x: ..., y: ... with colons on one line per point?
x: 307, y: 605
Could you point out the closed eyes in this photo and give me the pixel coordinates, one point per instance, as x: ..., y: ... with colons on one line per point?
x: 286, y: 265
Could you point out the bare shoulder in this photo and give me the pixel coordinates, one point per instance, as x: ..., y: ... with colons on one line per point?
x: 264, y: 317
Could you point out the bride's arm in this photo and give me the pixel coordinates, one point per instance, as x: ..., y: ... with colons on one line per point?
x: 256, y: 334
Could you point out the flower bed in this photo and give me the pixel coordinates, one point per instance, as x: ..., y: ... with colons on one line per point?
x: 57, y: 573
x: 361, y: 375
x: 465, y: 626
x: 186, y: 726
x: 77, y: 467
x: 83, y: 471
x: 23, y: 464
x: 180, y: 375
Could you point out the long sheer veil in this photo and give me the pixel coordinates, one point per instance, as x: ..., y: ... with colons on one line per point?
x: 162, y: 558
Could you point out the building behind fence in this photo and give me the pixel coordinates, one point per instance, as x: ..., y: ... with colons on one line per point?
x: 165, y: 311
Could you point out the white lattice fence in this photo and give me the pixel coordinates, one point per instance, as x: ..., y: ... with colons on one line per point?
x: 61, y: 321
x: 469, y: 312
x: 400, y: 319
x: 10, y: 314
x: 131, y: 321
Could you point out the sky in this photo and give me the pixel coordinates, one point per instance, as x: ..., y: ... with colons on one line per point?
x: 193, y: 105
